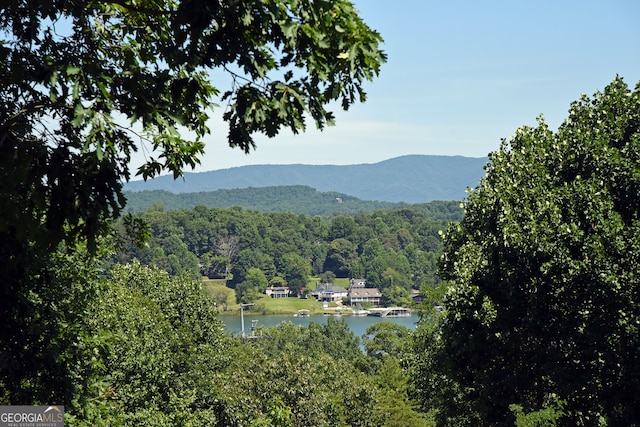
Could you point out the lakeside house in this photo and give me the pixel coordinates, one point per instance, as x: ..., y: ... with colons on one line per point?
x: 327, y: 292
x: 359, y: 294
x: 278, y: 291
x: 370, y: 296
x: 416, y: 296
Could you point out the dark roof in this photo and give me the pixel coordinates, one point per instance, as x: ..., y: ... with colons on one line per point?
x: 329, y: 288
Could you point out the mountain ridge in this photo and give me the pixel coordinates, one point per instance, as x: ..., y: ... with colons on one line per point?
x: 296, y: 199
x: 404, y: 179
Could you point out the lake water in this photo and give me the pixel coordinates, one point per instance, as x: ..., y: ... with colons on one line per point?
x: 357, y: 324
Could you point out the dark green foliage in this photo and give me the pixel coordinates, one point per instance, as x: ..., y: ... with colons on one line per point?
x: 341, y: 257
x: 293, y: 389
x: 328, y: 277
x: 394, y: 402
x: 83, y: 85
x: 440, y: 210
x: 396, y: 295
x: 361, y: 390
x: 333, y: 339
x: 388, y: 338
x: 245, y: 261
x: 295, y: 270
x: 252, y: 287
x: 162, y: 335
x: 166, y: 362
x: 543, y: 279
x: 45, y: 335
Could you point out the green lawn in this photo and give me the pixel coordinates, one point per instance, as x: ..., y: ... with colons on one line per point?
x: 342, y: 282
x: 268, y: 305
x: 312, y: 282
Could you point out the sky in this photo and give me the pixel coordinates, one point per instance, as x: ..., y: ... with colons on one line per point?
x: 461, y: 75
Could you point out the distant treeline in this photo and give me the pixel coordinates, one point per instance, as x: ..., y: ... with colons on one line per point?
x: 298, y: 199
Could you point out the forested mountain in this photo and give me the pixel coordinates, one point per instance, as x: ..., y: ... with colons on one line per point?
x: 298, y: 199
x: 409, y: 179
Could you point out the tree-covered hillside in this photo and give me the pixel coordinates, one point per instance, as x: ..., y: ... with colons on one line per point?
x: 394, y: 250
x: 408, y: 179
x: 297, y: 199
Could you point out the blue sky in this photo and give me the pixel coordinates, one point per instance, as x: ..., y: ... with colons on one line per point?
x: 460, y: 76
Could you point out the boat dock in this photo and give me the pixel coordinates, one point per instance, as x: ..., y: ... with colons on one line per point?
x: 390, y: 312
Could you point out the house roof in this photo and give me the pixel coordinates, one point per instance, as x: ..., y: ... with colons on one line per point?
x: 357, y: 282
x: 330, y: 289
x: 365, y: 292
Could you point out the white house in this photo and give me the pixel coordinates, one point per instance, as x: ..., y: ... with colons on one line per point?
x: 329, y: 292
x: 361, y: 296
x: 278, y: 291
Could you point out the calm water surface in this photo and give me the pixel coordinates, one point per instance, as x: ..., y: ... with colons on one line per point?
x: 357, y: 324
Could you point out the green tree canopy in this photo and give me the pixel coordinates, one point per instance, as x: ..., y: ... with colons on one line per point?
x: 328, y: 277
x: 387, y: 338
x: 163, y: 343
x: 252, y: 287
x: 85, y: 84
x: 543, y: 278
x: 296, y: 271
x: 340, y: 257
